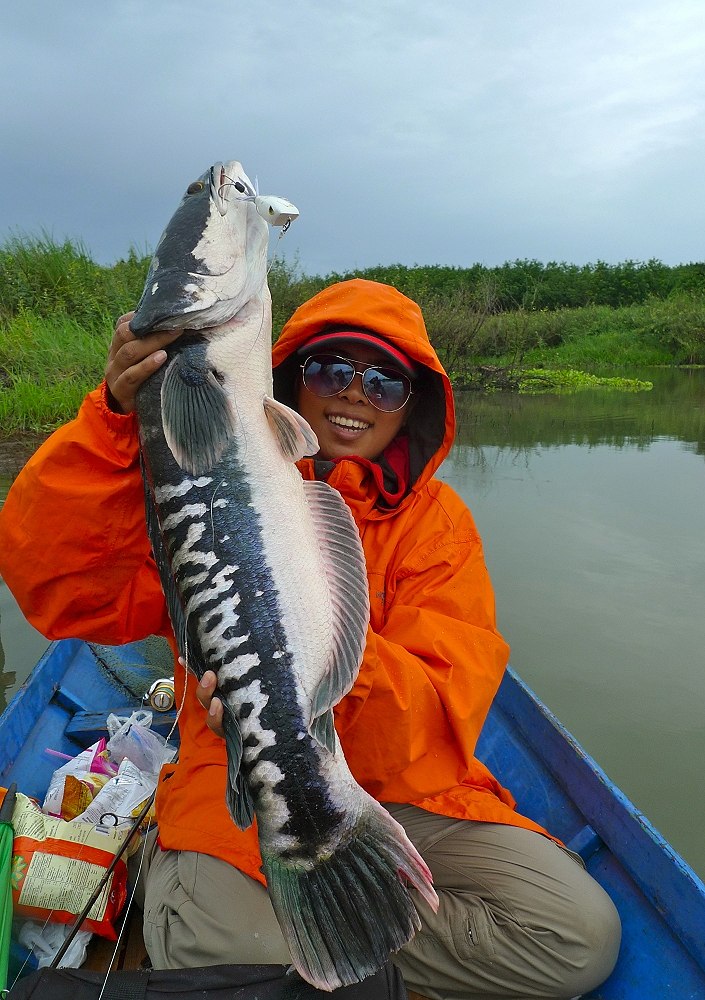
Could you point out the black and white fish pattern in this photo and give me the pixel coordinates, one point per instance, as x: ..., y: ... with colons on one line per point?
x: 265, y: 581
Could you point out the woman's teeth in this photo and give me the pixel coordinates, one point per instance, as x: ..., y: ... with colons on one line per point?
x: 349, y: 424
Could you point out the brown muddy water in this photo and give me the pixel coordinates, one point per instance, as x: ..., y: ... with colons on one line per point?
x: 591, y: 512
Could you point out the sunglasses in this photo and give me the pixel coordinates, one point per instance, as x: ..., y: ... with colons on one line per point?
x: 327, y: 375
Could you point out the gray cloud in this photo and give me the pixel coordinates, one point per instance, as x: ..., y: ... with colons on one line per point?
x: 447, y: 133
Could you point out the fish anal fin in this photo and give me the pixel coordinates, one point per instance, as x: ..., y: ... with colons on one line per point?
x: 294, y: 435
x: 238, y: 797
x: 197, y: 415
x: 239, y: 802
x: 346, y: 575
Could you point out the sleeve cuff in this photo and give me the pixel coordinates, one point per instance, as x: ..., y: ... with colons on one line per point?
x: 118, y: 423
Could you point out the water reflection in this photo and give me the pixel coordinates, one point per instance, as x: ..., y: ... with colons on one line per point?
x: 590, y: 508
x: 674, y: 408
x: 20, y: 646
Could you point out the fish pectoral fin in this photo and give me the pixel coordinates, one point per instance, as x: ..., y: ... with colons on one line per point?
x: 322, y: 729
x: 293, y: 433
x: 346, y: 575
x: 197, y: 415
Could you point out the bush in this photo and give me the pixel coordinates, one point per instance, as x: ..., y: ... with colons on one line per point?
x: 678, y: 323
x: 47, y: 364
x: 289, y: 289
x: 46, y: 278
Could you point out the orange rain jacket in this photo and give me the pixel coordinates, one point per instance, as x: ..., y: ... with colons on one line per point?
x: 75, y: 553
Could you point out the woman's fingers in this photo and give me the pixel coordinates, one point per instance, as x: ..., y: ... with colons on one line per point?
x: 131, y: 360
x: 205, y: 694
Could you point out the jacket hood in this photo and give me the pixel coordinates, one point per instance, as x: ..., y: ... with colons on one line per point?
x: 370, y: 305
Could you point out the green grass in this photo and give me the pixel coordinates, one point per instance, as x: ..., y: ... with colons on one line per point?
x: 47, y: 364
x: 610, y: 349
x: 58, y: 307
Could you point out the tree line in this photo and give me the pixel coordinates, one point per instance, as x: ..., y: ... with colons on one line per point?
x: 42, y: 276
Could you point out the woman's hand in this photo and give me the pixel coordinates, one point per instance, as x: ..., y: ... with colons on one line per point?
x: 131, y: 360
x: 214, y: 706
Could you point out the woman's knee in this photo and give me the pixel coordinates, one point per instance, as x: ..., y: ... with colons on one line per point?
x: 595, y: 938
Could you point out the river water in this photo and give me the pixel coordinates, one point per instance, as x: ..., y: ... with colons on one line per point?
x: 591, y: 508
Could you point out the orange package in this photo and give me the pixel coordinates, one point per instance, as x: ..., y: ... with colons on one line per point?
x: 57, y: 865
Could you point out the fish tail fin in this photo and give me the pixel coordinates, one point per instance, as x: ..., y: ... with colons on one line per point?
x: 344, y: 915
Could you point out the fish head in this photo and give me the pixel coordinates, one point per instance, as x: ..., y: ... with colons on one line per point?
x: 211, y: 259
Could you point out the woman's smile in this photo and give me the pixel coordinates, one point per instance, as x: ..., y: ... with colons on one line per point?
x: 347, y: 423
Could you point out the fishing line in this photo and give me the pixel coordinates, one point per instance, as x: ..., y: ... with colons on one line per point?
x: 247, y: 192
x: 183, y: 697
x: 76, y: 926
x: 261, y: 328
x: 284, y: 229
x: 183, y: 660
x: 127, y: 909
x: 30, y: 952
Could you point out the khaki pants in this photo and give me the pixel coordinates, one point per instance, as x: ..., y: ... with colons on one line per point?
x: 518, y: 916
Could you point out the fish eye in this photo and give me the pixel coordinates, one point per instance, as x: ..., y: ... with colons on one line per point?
x: 195, y: 187
x: 239, y: 186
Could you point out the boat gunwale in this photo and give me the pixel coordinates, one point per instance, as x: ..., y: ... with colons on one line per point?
x: 661, y: 874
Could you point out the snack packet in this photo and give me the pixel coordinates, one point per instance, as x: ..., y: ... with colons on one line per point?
x: 57, y: 865
x: 75, y: 783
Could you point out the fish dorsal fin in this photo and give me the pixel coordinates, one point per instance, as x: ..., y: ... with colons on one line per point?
x: 293, y: 433
x: 197, y: 415
x: 346, y: 575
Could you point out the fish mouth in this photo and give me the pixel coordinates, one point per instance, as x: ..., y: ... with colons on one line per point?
x: 219, y: 187
x: 223, y: 187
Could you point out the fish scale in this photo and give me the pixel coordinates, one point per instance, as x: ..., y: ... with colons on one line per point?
x: 240, y: 592
x: 281, y: 618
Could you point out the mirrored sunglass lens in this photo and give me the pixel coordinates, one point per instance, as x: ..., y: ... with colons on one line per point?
x: 327, y: 376
x: 385, y: 389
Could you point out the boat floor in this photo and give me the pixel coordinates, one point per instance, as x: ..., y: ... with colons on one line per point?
x: 131, y: 952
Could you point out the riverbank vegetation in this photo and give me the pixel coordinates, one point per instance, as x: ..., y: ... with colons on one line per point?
x: 673, y: 409
x: 490, y: 325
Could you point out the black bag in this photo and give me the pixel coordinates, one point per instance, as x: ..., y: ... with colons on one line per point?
x: 219, y: 982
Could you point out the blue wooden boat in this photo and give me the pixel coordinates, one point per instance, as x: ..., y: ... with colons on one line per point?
x: 63, y: 707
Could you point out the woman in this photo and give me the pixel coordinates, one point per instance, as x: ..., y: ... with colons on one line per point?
x: 519, y: 916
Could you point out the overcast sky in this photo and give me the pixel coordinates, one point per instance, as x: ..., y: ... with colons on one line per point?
x: 448, y: 132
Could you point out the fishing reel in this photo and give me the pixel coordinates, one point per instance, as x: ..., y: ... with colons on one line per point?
x: 161, y: 696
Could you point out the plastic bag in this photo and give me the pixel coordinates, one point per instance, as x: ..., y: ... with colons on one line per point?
x: 132, y: 738
x: 75, y: 783
x: 120, y: 800
x: 44, y: 941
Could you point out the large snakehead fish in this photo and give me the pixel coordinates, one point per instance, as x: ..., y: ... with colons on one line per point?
x: 264, y: 577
